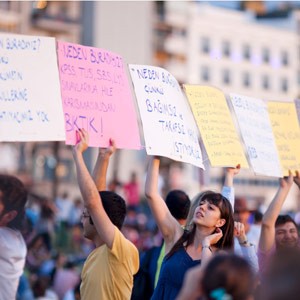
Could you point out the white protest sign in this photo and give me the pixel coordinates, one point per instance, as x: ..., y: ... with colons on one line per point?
x: 256, y: 130
x: 169, y: 127
x: 30, y: 100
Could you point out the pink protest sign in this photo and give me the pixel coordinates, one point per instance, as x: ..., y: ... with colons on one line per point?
x: 96, y: 96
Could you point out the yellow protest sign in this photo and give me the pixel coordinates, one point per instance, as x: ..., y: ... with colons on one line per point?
x: 216, y: 126
x: 286, y: 131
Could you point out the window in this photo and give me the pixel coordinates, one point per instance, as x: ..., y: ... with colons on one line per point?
x: 226, y: 77
x: 205, y: 45
x: 226, y: 49
x: 246, y: 52
x: 205, y: 74
x: 246, y: 80
x: 284, y: 58
x: 265, y: 82
x: 284, y: 85
x: 266, y: 55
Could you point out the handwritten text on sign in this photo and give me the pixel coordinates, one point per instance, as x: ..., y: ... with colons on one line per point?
x: 287, y: 134
x: 216, y: 126
x: 96, y: 96
x: 169, y: 127
x: 30, y: 101
x: 254, y: 122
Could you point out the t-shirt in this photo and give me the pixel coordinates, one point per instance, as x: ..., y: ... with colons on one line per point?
x: 132, y: 193
x: 108, y: 273
x: 264, y: 258
x: 12, y: 260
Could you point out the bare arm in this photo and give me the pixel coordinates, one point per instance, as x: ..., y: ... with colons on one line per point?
x: 267, y: 234
x: 228, y: 190
x: 100, y: 169
x: 230, y: 173
x: 169, y: 227
x: 90, y: 194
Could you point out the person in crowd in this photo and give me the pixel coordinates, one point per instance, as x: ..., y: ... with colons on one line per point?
x: 132, y: 191
x: 178, y: 203
x: 242, y: 244
x: 109, y: 269
x: 226, y: 277
x: 13, y: 197
x: 38, y: 253
x: 209, y: 228
x: 278, y: 231
x: 41, y: 290
x: 282, y: 276
x: 257, y: 219
x: 242, y: 213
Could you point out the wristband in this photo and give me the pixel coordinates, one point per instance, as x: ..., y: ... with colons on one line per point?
x: 208, y: 247
x: 245, y: 242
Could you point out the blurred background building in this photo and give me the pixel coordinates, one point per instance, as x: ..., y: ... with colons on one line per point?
x: 246, y: 47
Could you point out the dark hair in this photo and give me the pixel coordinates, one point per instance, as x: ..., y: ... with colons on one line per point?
x: 228, y: 274
x: 13, y: 195
x: 39, y: 287
x: 258, y: 216
x: 179, y: 204
x: 283, y: 219
x: 227, y: 241
x: 114, y: 206
x: 282, y: 277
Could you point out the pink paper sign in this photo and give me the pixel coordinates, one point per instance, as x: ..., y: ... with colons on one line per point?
x: 96, y: 96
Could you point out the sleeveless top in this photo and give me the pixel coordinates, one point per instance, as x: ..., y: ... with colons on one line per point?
x: 172, y: 274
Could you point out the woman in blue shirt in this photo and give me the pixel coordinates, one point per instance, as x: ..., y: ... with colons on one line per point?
x: 209, y: 228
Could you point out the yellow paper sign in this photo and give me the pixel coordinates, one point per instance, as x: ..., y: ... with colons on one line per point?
x: 216, y: 127
x: 286, y: 131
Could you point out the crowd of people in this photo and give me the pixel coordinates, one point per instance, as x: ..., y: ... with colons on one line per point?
x: 103, y: 247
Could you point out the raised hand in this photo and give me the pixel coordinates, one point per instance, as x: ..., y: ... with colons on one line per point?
x: 213, y: 238
x: 82, y: 140
x: 297, y: 179
x: 109, y: 150
x: 239, y: 232
x: 287, y: 181
x: 233, y: 171
x: 230, y: 173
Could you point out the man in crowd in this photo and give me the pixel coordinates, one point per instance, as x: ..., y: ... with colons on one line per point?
x: 278, y: 232
x: 242, y: 214
x: 109, y: 269
x: 13, y: 197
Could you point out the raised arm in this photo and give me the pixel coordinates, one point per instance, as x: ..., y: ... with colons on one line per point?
x: 267, y: 235
x: 248, y: 249
x: 228, y: 189
x: 169, y: 227
x: 90, y: 194
x: 100, y: 169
